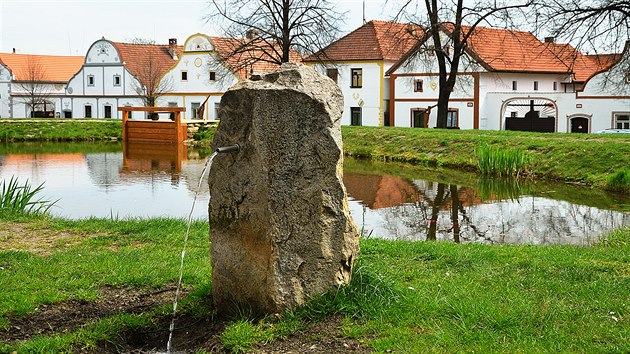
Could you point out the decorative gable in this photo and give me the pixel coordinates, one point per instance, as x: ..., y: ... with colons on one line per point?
x: 198, y: 43
x: 102, y: 52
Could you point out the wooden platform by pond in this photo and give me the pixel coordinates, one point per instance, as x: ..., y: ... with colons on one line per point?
x: 169, y: 131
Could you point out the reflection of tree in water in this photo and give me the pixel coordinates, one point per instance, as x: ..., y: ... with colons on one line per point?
x: 448, y: 212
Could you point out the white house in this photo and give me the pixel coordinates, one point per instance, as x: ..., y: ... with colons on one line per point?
x: 509, y: 80
x: 32, y: 85
x: 199, y: 77
x: 115, y: 75
x: 358, y: 62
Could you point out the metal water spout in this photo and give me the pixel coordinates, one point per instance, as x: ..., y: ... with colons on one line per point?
x: 228, y: 149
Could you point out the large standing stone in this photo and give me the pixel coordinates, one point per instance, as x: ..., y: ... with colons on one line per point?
x: 280, y: 228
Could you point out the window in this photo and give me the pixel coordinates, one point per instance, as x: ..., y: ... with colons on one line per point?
x: 357, y: 78
x: 333, y: 74
x: 90, y: 80
x: 88, y: 111
x: 535, y: 85
x: 418, y: 118
x: 129, y: 114
x: 116, y: 80
x: 213, y: 76
x: 194, y: 108
x: 622, y: 120
x: 171, y: 116
x: 184, y: 75
x: 451, y: 118
x: 355, y: 115
x: 555, y: 86
x: 418, y: 86
x: 514, y: 86
x: 108, y: 111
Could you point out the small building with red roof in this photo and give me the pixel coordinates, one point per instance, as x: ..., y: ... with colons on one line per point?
x: 358, y: 62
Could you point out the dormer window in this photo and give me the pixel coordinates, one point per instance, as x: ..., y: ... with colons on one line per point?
x: 90, y: 80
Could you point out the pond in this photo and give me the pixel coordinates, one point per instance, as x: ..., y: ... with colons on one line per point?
x: 387, y: 200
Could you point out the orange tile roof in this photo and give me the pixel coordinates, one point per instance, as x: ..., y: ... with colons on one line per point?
x: 513, y: 51
x: 375, y: 40
x: 135, y: 57
x: 254, y: 59
x: 582, y: 66
x: 56, y: 68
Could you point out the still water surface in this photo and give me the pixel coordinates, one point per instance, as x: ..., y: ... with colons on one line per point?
x: 386, y: 200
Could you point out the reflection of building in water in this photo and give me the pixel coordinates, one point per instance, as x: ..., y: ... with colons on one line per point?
x: 378, y: 192
x: 104, y: 168
x: 440, y: 211
x: 36, y: 166
x: 144, y: 160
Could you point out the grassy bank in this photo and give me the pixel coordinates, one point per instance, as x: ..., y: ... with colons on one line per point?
x: 405, y: 297
x: 59, y: 130
x: 585, y: 158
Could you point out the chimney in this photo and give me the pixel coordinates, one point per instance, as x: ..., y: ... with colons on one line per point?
x: 550, y: 39
x: 251, y: 34
x: 172, y: 47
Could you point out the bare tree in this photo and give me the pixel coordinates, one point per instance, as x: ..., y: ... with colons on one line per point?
x: 149, y: 70
x: 33, y: 82
x: 590, y: 25
x: 593, y: 26
x: 449, y: 26
x: 270, y: 30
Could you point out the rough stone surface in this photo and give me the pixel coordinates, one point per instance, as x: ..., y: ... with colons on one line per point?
x: 280, y: 228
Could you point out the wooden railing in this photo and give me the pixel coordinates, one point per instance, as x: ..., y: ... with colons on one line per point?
x: 170, y: 131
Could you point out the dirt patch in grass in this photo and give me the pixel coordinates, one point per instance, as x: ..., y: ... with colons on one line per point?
x: 321, y: 337
x: 70, y: 315
x: 38, y: 240
x: 191, y: 334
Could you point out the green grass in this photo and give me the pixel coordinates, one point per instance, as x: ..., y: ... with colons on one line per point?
x: 406, y: 297
x: 619, y: 181
x: 502, y: 162
x: 22, y: 198
x: 584, y: 158
x: 59, y: 130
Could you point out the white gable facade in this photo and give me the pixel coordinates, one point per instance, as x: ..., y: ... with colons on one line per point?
x: 198, y: 77
x: 101, y: 86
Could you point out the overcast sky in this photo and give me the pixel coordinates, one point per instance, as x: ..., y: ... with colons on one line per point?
x: 69, y: 27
